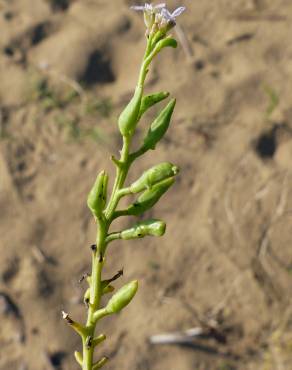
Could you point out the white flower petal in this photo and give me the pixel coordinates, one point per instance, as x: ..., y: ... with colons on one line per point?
x: 178, y: 11
x: 166, y: 14
x: 160, y: 6
x: 138, y: 8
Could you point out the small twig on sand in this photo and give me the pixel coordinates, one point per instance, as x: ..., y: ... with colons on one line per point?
x: 279, y: 211
x: 184, y: 337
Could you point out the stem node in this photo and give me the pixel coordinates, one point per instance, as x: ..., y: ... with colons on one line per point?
x: 93, y: 247
x: 88, y: 342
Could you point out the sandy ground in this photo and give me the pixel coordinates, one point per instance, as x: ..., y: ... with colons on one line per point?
x: 225, y: 264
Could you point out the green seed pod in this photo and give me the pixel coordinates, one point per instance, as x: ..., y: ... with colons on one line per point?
x: 164, y: 43
x: 96, y: 200
x: 149, y: 100
x: 150, y: 197
x: 158, y: 36
x: 122, y: 297
x: 130, y: 115
x: 159, y: 127
x: 154, y: 175
x: 144, y: 228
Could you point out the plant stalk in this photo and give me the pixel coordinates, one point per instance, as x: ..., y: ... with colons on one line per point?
x: 102, y: 233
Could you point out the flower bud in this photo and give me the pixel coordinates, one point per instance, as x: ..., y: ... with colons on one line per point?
x: 96, y: 200
x: 149, y: 100
x: 122, y: 297
x: 130, y: 115
x: 154, y: 175
x: 149, y: 197
x: 159, y: 126
x: 149, y: 18
x: 144, y: 228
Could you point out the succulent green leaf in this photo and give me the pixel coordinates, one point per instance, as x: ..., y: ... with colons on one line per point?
x: 122, y: 297
x: 167, y: 42
x: 149, y: 197
x: 159, y: 126
x: 144, y: 228
x: 97, y: 196
x: 149, y: 100
x: 107, y: 289
x: 97, y: 340
x: 105, y: 284
x: 78, y: 358
x: 154, y: 175
x: 88, y: 279
x: 100, y: 363
x: 129, y: 117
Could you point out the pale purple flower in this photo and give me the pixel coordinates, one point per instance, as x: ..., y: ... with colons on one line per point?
x: 149, y: 8
x: 165, y: 20
x: 149, y: 12
x: 158, y: 17
x: 170, y: 18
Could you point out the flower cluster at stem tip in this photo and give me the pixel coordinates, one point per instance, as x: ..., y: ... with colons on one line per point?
x: 158, y: 17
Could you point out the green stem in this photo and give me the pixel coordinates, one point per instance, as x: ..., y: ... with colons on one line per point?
x: 126, y: 159
x: 98, y: 254
x: 123, y: 167
x: 113, y: 236
x: 95, y: 295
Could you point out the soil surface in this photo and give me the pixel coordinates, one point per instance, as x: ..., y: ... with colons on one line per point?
x: 66, y: 69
